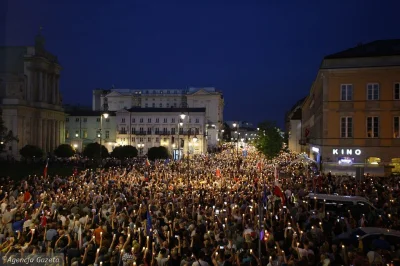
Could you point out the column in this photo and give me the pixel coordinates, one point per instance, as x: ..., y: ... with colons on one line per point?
x: 45, y: 85
x: 44, y: 135
x: 49, y: 135
x: 57, y: 132
x: 53, y: 135
x: 57, y: 89
x: 40, y: 89
x: 39, y: 132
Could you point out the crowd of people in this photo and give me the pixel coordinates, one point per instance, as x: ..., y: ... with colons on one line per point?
x: 219, y: 209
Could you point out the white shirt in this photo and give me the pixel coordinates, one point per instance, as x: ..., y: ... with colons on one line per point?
x: 202, y: 263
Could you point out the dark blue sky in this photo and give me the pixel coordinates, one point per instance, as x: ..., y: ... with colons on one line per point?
x: 263, y: 55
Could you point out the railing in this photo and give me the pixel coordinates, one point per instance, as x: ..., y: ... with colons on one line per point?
x: 164, y: 133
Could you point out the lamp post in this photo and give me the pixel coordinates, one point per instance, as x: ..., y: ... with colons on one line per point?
x: 180, y: 125
x: 140, y: 146
x: 188, y: 150
x: 236, y: 125
x: 105, y: 115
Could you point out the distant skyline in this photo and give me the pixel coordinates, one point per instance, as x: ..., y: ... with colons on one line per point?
x: 263, y: 55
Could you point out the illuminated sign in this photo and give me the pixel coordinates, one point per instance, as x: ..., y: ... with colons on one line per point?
x: 315, y: 149
x: 346, y: 151
x: 346, y: 161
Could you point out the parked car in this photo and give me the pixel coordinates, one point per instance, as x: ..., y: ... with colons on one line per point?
x: 367, y: 235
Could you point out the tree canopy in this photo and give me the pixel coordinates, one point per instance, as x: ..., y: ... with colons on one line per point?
x: 92, y: 150
x: 64, y: 151
x: 269, y: 141
x: 31, y: 151
x: 127, y: 151
x: 6, y: 136
x: 226, y: 136
x: 158, y: 153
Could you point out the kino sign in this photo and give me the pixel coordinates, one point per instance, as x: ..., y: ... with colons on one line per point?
x: 346, y: 151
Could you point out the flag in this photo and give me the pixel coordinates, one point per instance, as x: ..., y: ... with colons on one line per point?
x: 147, y: 162
x: 148, y: 220
x: 218, y: 173
x: 45, y: 168
x: 278, y: 192
x: 80, y: 237
x: 259, y: 166
x: 264, y: 199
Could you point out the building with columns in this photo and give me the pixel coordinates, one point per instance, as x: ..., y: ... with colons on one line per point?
x: 30, y: 96
x: 153, y: 127
x: 209, y: 98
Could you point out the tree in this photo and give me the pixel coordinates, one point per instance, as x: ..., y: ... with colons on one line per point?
x: 226, y: 136
x: 64, y: 151
x: 127, y: 151
x: 30, y: 151
x: 6, y: 136
x: 270, y: 140
x: 158, y: 153
x: 92, y: 150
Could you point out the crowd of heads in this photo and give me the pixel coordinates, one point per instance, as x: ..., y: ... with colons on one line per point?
x: 218, y: 209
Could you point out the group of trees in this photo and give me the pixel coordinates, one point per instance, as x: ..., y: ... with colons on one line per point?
x: 269, y: 140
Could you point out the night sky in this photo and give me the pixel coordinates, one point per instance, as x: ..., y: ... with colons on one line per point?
x: 263, y: 55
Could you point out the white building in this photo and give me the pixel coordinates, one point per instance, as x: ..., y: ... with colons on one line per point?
x: 153, y: 127
x: 30, y: 97
x: 209, y: 98
x: 294, y: 127
x: 83, y: 127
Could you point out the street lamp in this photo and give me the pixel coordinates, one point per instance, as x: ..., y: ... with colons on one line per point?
x: 180, y: 125
x: 105, y: 115
x: 236, y: 125
x: 140, y: 146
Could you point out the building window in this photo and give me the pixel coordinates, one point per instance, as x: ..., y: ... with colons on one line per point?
x: 197, y: 121
x: 173, y: 120
x: 66, y: 134
x: 180, y: 130
x: 173, y: 131
x: 373, y: 127
x: 149, y: 130
x: 396, y: 92
x: 141, y: 120
x: 165, y: 120
x: 167, y: 105
x: 98, y: 119
x: 148, y: 120
x: 85, y: 134
x: 67, y: 119
x: 107, y: 134
x: 373, y: 91
x: 148, y: 139
x: 346, y: 127
x: 133, y: 130
x: 160, y: 105
x: 157, y: 120
x: 146, y: 105
x: 346, y: 92
x: 76, y: 119
x: 85, y: 120
x: 153, y: 105
x: 123, y: 120
x: 157, y: 130
x: 140, y: 139
x: 133, y: 139
x: 141, y: 130
x: 396, y: 127
x: 165, y: 130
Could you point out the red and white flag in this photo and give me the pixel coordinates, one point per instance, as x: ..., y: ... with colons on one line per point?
x: 45, y: 168
x: 218, y: 173
x: 147, y: 162
x: 278, y: 192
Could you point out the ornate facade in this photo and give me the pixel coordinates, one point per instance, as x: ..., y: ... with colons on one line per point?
x: 30, y: 96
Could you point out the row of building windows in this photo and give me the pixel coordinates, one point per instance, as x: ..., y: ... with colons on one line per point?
x: 157, y: 120
x: 165, y: 130
x: 153, y: 105
x: 372, y: 127
x: 77, y: 119
x: 141, y: 140
x: 84, y: 134
x: 373, y: 92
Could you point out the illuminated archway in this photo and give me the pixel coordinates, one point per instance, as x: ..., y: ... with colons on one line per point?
x: 374, y: 160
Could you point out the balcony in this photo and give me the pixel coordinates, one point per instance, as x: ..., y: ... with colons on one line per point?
x: 140, y: 133
x: 122, y: 132
x: 164, y: 133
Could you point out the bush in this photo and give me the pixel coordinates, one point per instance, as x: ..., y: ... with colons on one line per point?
x: 127, y: 151
x: 64, y: 151
x: 30, y: 151
x: 92, y: 150
x: 158, y: 153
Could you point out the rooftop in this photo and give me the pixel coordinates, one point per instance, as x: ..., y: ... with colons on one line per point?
x: 166, y: 110
x: 376, y: 48
x: 88, y: 113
